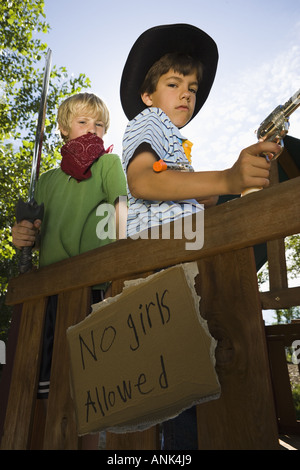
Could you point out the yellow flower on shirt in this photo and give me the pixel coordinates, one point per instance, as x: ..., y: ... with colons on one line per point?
x: 187, y: 147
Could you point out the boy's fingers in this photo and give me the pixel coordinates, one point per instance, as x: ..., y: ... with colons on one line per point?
x: 24, y: 224
x: 37, y: 223
x: 264, y: 147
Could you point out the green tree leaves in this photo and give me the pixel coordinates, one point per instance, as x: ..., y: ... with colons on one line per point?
x: 22, y: 59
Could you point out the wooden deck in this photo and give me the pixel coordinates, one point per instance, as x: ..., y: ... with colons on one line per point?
x: 244, y: 417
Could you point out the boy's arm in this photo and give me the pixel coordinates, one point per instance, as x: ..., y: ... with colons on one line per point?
x: 171, y: 185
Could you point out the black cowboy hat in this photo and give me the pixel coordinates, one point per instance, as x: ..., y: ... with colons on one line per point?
x: 155, y: 43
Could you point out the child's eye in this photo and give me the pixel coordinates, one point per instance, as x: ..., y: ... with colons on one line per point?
x: 100, y: 124
x: 193, y: 90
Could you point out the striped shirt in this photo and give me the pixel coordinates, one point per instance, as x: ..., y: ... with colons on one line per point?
x: 153, y: 126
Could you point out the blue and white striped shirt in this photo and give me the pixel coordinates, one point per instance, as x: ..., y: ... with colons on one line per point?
x: 153, y: 126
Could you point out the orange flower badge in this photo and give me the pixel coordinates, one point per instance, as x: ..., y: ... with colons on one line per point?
x: 187, y: 147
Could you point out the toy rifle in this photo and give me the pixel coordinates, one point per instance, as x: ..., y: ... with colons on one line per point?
x: 30, y: 210
x: 275, y: 127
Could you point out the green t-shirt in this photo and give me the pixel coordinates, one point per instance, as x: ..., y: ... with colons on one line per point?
x: 75, y: 220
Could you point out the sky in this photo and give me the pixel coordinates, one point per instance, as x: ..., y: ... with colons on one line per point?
x: 259, y: 62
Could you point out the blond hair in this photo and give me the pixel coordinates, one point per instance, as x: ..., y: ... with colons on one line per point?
x: 78, y: 104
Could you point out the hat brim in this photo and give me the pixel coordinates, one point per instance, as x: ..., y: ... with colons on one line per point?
x: 154, y: 44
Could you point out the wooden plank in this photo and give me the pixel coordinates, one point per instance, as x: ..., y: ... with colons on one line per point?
x: 23, y: 388
x: 8, y: 367
x: 60, y: 429
x: 285, y: 407
x: 38, y: 427
x: 286, y: 333
x: 141, y: 440
x: 244, y: 416
x: 281, y: 298
x: 276, y: 249
x: 288, y: 164
x: 277, y: 265
x: 279, y: 337
x: 266, y: 215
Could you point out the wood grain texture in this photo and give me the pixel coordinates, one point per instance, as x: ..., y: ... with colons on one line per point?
x: 267, y: 215
x: 60, y: 429
x: 244, y: 416
x: 23, y: 386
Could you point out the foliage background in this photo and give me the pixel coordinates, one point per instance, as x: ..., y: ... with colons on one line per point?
x: 23, y: 47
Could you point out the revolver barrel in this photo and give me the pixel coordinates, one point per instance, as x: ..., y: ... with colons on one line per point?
x: 276, y: 125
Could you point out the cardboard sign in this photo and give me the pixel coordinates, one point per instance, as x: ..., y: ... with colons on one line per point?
x: 143, y: 356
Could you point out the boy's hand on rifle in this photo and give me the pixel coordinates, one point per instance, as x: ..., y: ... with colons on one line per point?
x: 24, y: 233
x: 251, y: 169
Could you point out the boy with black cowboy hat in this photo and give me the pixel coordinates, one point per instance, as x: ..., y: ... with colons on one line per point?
x: 166, y: 80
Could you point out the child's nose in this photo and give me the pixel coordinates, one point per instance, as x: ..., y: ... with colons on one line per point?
x: 186, y: 94
x: 91, y: 129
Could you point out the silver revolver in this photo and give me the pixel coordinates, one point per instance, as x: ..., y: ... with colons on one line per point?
x: 275, y: 127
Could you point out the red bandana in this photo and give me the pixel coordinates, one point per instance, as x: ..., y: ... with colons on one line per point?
x: 79, y: 154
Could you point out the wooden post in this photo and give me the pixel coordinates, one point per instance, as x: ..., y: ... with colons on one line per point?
x: 60, y: 430
x: 276, y: 249
x: 286, y: 412
x: 279, y: 337
x: 23, y: 388
x: 8, y: 367
x: 244, y: 416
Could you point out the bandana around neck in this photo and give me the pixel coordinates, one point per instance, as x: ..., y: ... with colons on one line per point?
x: 79, y: 154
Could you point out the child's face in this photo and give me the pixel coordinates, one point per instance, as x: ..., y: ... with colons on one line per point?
x: 83, y: 124
x: 175, y: 94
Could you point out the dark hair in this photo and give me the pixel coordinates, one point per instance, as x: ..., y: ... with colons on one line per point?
x: 180, y: 63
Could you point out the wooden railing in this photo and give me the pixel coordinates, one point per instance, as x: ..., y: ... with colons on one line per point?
x: 279, y: 338
x: 244, y: 417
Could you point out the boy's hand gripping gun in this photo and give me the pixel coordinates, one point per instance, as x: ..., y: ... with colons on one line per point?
x: 275, y: 127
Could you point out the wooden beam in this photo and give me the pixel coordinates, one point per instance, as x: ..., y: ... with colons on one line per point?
x: 266, y: 215
x: 277, y: 264
x: 60, y: 428
x: 288, y: 164
x: 276, y: 249
x: 286, y: 333
x: 243, y: 418
x: 285, y: 407
x: 281, y: 298
x: 24, y: 381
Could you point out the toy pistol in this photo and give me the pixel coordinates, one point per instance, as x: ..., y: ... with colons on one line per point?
x: 275, y: 127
